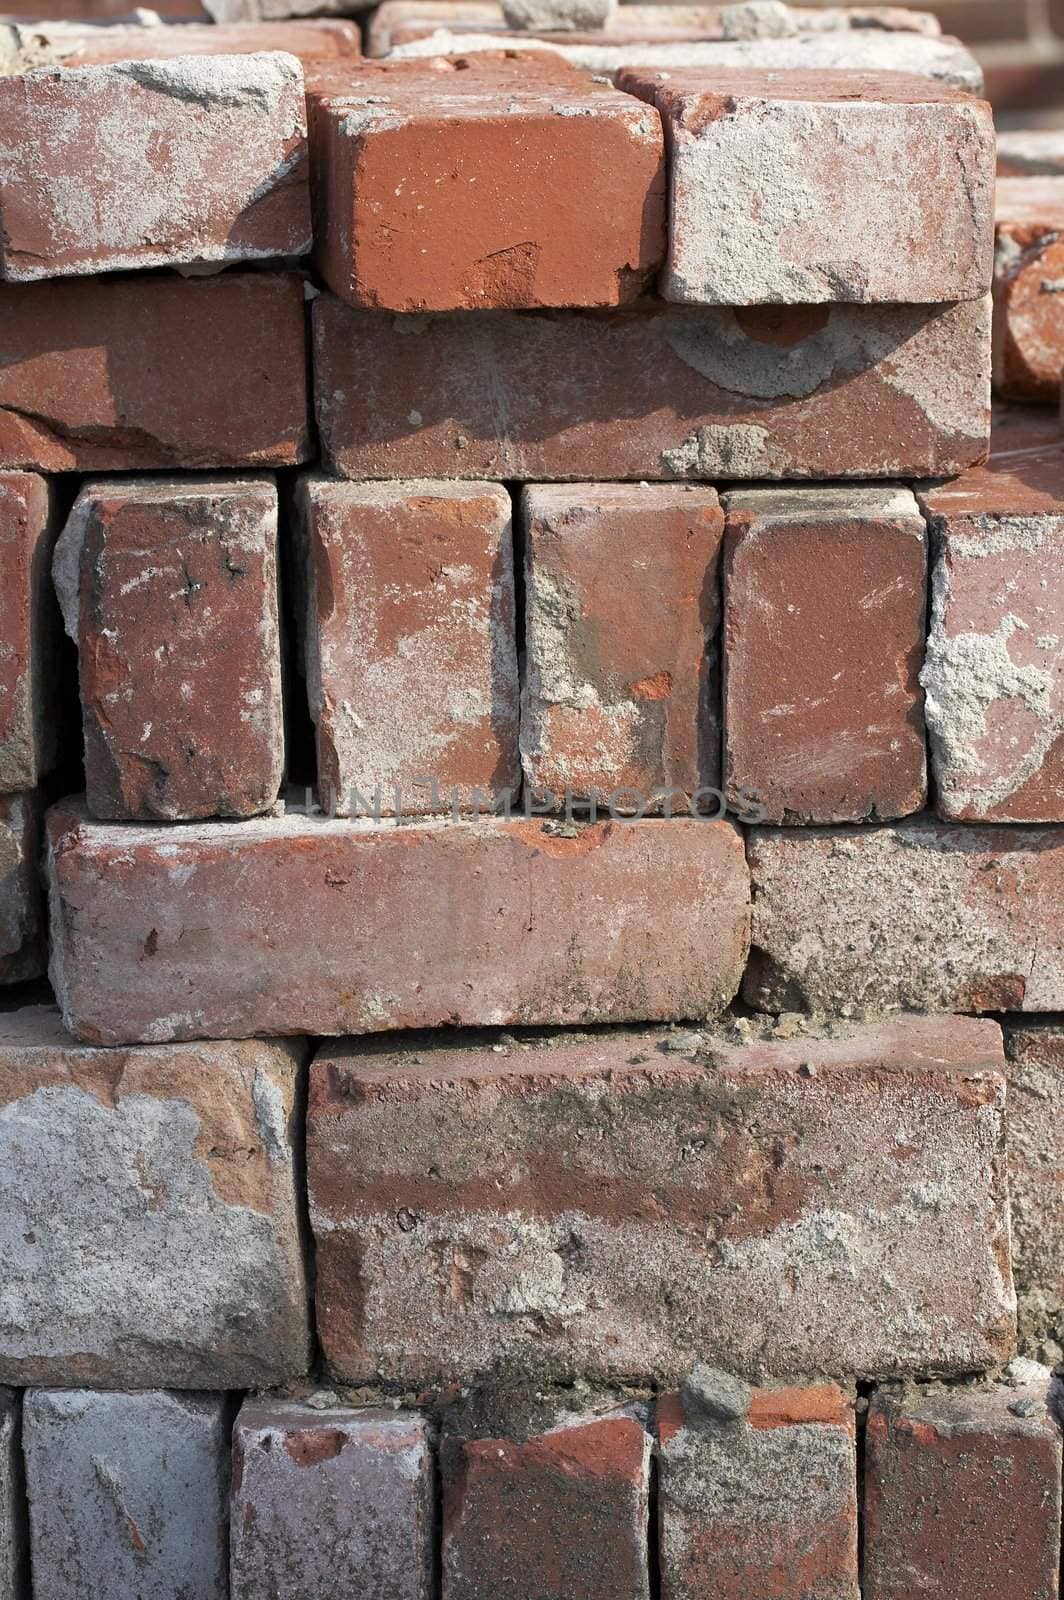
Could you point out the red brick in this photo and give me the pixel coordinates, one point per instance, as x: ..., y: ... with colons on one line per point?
x: 830, y: 234
x: 763, y: 1505
x: 183, y: 934
x: 622, y: 626
x: 1030, y: 152
x: 978, y: 21
x: 28, y: 631
x: 995, y: 656
x: 153, y: 372
x: 962, y: 1496
x: 917, y: 916
x: 825, y: 600
x: 169, y: 590
x: 148, y: 164
x: 625, y: 1204
x: 334, y: 1502
x: 411, y: 654
x: 658, y: 392
x: 449, y: 191
x: 23, y: 942
x: 1029, y: 289
x: 311, y: 39
x: 561, y: 1515
x: 1035, y: 1052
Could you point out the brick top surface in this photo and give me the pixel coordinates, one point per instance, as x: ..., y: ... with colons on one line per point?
x: 824, y: 502
x: 1030, y: 202
x: 825, y: 87
x: 1024, y: 482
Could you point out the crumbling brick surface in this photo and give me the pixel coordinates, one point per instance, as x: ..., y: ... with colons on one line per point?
x: 28, y: 631
x: 1035, y: 1052
x: 1028, y: 345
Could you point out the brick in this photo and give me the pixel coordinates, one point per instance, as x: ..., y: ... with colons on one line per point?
x: 981, y: 21
x: 919, y: 915
x: 410, y: 643
x: 962, y: 1495
x: 824, y: 607
x: 310, y: 39
x: 28, y: 632
x: 607, y: 1206
x: 176, y: 936
x: 127, y: 1494
x: 13, y: 1573
x: 1028, y: 349
x: 859, y: 50
x: 622, y: 641
x: 561, y: 1515
x: 1035, y: 1052
x: 333, y: 1502
x: 222, y: 175
x: 994, y: 674
x: 153, y: 1231
x: 153, y: 372
x: 827, y: 234
x: 761, y: 1505
x: 169, y: 590
x: 654, y: 393
x: 445, y: 192
x: 1030, y: 153
x: 23, y: 943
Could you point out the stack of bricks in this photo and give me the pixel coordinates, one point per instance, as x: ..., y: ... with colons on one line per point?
x: 551, y: 1079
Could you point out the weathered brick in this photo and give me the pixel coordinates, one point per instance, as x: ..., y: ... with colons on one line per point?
x: 994, y: 673
x: 560, y: 1515
x: 920, y: 916
x: 474, y: 190
x: 151, y: 1221
x: 28, y: 631
x: 1035, y: 1053
x: 13, y: 1574
x: 330, y: 1502
x: 127, y: 1494
x: 824, y: 609
x: 153, y: 372
x: 176, y: 935
x: 169, y: 590
x: 760, y: 1504
x: 1030, y: 152
x: 410, y: 643
x: 656, y: 392
x: 1028, y: 349
x: 962, y: 1495
x: 821, y: 231
x: 621, y: 1205
x: 23, y: 946
x: 149, y: 163
x: 861, y: 50
x: 310, y: 39
x: 622, y: 641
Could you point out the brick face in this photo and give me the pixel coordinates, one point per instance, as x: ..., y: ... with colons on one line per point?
x: 1028, y: 338
x: 1036, y: 1173
x: 23, y: 939
x: 28, y: 631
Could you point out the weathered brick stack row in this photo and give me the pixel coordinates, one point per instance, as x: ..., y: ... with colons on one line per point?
x: 564, y: 1146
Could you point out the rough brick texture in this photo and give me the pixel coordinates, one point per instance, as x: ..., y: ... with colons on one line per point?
x: 823, y: 229
x: 411, y: 657
x: 334, y: 1502
x: 153, y: 372
x: 614, y: 1206
x: 23, y: 942
x: 75, y: 44
x: 223, y: 176
x: 27, y: 631
x: 824, y: 612
x: 919, y: 916
x: 12, y: 1520
x: 1036, y: 1173
x: 622, y: 641
x: 658, y: 392
x: 962, y: 1495
x: 177, y: 936
x: 994, y: 674
x: 561, y: 1515
x: 127, y: 1494
x: 169, y: 590
x: 1030, y: 152
x: 151, y: 1226
x: 446, y: 191
x: 762, y: 1504
x: 1028, y: 338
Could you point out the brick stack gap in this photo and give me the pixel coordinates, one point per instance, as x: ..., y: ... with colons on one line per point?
x: 601, y: 1140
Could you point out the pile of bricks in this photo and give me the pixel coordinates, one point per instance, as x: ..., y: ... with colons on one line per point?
x: 532, y: 758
